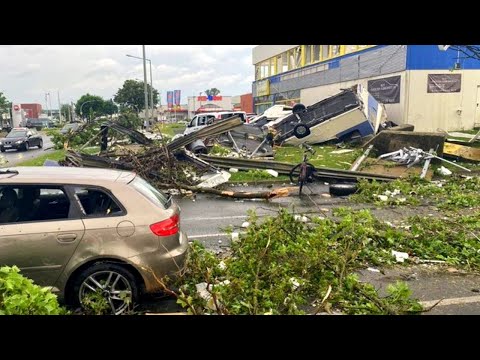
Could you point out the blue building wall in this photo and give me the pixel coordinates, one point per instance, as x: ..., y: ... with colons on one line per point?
x: 429, y: 57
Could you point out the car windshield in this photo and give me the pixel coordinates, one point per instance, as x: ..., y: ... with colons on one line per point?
x: 17, y: 133
x: 151, y: 193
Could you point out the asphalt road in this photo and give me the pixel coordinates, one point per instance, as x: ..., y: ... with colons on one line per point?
x: 13, y: 156
x: 206, y: 218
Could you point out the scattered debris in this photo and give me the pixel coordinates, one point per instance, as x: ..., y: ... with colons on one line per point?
x: 400, y: 256
x: 373, y: 270
x: 444, y: 171
x: 272, y: 172
x: 235, y: 236
x: 342, y: 151
x: 233, y: 170
x: 464, y: 152
x: 245, y: 224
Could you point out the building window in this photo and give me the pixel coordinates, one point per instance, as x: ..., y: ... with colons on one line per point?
x: 284, y: 62
x: 279, y: 64
x: 294, y: 58
x: 316, y: 53
x: 257, y: 72
x: 264, y: 69
x: 308, y: 54
x: 325, y: 54
x: 272, y: 66
x: 350, y: 48
x: 334, y: 50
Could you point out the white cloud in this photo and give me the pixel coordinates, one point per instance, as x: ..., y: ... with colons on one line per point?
x: 28, y: 71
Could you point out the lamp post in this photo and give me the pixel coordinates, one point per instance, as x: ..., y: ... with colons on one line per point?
x: 81, y: 106
x: 151, y: 81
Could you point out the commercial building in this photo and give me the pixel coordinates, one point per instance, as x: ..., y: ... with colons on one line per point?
x: 199, y: 104
x: 419, y: 84
x: 32, y: 111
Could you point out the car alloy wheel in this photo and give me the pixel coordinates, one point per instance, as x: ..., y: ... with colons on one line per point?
x: 114, y: 286
x: 26, y: 146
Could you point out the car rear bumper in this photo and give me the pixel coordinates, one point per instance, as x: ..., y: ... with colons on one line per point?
x: 154, y: 266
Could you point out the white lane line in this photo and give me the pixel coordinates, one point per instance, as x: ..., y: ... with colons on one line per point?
x: 206, y: 236
x: 451, y: 301
x: 217, y: 218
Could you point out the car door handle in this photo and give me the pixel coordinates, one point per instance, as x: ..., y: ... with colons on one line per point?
x: 66, y: 238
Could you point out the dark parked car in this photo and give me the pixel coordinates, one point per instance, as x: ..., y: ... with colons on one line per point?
x: 21, y: 139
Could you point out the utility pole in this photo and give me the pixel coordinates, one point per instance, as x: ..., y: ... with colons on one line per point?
x: 46, y: 103
x: 50, y: 104
x: 59, y: 107
x: 151, y: 91
x: 147, y: 118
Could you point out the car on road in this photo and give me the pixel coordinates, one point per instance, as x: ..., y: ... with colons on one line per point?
x: 70, y: 127
x: 89, y: 231
x: 21, y: 139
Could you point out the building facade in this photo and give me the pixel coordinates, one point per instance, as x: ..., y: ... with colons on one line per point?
x: 199, y: 104
x: 419, y: 84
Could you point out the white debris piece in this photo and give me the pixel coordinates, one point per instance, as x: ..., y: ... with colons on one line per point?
x: 383, y: 197
x: 245, y: 224
x: 444, y: 171
x: 373, y: 270
x: 219, y: 241
x: 400, y: 256
x: 235, y: 236
x: 295, y: 283
x: 215, y: 180
x: 222, y: 266
x: 325, y: 195
x: 272, y: 172
x: 301, y: 218
x: 205, y: 294
x: 342, y: 151
x: 233, y: 170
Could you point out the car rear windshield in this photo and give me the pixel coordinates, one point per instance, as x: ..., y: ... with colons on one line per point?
x: 151, y: 193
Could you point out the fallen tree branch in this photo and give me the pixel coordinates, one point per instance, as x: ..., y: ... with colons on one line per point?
x: 232, y: 194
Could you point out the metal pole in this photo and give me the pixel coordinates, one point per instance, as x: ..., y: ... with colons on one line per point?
x: 59, y: 107
x: 151, y: 90
x: 50, y: 104
x: 46, y: 103
x: 147, y: 118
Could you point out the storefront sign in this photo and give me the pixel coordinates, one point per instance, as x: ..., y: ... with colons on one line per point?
x: 444, y: 83
x: 385, y: 90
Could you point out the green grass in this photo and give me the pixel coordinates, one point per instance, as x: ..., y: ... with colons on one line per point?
x: 54, y: 155
x: 323, y: 156
x: 171, y: 129
x: 255, y: 176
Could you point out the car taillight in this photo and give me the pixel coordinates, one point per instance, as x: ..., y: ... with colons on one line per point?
x: 166, y: 227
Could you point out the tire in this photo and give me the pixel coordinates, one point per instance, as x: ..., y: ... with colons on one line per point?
x: 26, y: 146
x: 343, y: 189
x: 298, y: 108
x: 2, y: 149
x: 40, y: 144
x: 301, y: 130
x: 122, y: 278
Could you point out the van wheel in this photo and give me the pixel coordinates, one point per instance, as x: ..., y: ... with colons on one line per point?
x: 105, y: 288
x: 26, y: 146
x: 298, y: 108
x: 301, y: 130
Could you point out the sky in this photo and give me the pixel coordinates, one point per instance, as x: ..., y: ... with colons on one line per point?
x: 28, y: 72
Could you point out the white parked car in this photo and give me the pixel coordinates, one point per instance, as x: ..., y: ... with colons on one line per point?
x: 201, y: 120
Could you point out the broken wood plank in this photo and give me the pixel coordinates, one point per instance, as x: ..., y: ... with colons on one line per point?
x: 464, y: 152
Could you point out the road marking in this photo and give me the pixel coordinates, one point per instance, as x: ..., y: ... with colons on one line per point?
x: 217, y: 218
x: 206, y: 236
x: 451, y: 301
